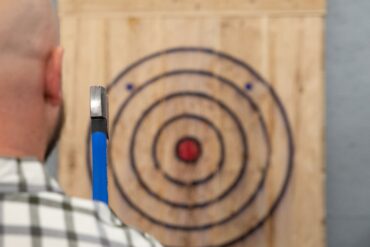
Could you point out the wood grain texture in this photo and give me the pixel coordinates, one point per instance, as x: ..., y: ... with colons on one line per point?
x: 286, y: 50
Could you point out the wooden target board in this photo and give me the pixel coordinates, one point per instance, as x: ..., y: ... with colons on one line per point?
x: 216, y: 117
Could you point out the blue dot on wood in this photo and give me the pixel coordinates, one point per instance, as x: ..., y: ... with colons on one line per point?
x: 249, y: 86
x: 130, y: 86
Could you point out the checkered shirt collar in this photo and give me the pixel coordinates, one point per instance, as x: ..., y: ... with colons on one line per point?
x: 25, y: 176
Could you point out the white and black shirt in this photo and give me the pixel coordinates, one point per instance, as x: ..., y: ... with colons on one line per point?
x: 35, y: 212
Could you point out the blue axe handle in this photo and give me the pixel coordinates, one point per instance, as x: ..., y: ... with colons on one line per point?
x: 99, y: 140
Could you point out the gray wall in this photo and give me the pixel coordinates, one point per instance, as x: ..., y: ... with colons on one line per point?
x: 348, y: 131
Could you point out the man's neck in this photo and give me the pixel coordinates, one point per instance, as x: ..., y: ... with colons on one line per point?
x: 20, y: 136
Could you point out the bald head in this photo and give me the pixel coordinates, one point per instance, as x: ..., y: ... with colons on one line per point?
x: 27, y: 27
x: 30, y: 76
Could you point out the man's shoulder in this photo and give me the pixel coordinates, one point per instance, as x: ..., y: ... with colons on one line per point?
x: 80, y: 220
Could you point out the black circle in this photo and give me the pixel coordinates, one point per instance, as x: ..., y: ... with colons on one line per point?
x: 166, y: 99
x: 184, y: 206
x: 246, y: 67
x: 196, y: 118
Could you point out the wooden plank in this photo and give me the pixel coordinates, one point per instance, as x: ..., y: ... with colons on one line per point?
x: 298, y: 77
x: 86, y: 61
x: 127, y: 6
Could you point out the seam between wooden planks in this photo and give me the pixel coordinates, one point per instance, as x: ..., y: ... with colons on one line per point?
x: 191, y: 14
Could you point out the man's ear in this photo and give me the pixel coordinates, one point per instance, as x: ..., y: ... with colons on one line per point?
x: 53, y: 86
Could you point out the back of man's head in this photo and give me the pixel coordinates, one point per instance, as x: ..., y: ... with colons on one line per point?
x: 27, y: 28
x: 30, y: 72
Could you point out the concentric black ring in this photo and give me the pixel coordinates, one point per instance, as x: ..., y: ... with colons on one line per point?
x: 284, y: 117
x: 147, y: 188
x: 194, y: 206
x: 195, y: 182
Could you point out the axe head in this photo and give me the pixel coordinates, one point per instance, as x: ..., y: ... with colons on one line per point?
x: 99, y: 109
x: 98, y: 102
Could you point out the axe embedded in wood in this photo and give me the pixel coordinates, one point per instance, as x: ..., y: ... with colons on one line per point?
x: 99, y: 140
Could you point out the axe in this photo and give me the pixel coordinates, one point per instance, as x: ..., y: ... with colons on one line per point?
x: 99, y: 141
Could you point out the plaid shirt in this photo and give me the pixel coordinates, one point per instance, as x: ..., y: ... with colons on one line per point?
x: 35, y: 212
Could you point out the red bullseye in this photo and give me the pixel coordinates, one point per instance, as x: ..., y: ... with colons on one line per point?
x: 188, y: 150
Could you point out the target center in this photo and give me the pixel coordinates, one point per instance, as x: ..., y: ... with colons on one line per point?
x: 188, y: 150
